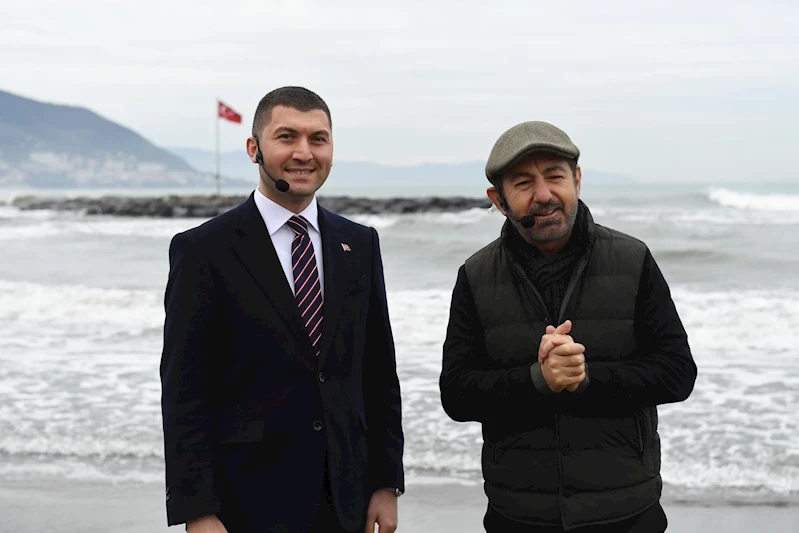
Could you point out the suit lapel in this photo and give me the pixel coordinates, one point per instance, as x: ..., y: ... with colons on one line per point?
x: 335, y: 278
x: 255, y: 250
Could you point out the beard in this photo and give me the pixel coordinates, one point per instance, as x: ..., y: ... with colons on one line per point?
x: 553, y: 229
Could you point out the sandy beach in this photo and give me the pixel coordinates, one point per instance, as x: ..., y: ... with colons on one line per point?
x: 27, y: 507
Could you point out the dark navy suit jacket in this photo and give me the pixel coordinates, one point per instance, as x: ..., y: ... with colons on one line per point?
x: 249, y: 412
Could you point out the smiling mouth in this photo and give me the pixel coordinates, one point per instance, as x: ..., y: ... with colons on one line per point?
x: 546, y: 213
x: 299, y: 171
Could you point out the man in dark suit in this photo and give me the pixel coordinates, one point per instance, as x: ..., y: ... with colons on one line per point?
x: 281, y: 403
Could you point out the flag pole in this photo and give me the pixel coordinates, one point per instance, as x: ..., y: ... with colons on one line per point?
x: 218, y: 179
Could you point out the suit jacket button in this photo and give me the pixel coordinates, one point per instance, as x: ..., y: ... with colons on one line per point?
x: 317, y: 426
x: 321, y: 377
x: 167, y: 494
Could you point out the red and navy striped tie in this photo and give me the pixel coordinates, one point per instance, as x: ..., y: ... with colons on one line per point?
x: 307, y: 290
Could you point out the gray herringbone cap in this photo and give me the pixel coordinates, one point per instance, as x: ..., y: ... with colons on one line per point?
x: 526, y: 138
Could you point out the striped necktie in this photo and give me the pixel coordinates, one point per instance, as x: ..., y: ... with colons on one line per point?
x: 307, y: 290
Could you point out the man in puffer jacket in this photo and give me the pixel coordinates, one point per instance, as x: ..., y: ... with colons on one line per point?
x: 562, y: 340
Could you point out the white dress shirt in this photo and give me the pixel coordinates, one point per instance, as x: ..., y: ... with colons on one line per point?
x: 276, y: 217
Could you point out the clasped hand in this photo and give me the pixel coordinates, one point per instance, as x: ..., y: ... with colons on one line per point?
x: 562, y: 360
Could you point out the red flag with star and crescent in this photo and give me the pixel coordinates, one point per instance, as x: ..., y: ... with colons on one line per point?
x: 227, y: 113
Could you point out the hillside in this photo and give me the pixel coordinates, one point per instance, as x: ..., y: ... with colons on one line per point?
x: 50, y: 145
x: 45, y: 145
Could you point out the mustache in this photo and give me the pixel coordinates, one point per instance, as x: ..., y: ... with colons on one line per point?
x: 546, y: 208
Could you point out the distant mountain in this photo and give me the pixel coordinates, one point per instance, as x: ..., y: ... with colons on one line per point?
x: 49, y: 145
x: 46, y: 145
x: 349, y: 174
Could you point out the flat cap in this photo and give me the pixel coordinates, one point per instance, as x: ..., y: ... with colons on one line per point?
x: 526, y: 138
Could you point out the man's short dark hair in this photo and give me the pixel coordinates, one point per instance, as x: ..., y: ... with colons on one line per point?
x: 298, y: 98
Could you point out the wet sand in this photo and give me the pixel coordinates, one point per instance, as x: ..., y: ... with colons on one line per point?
x: 64, y: 506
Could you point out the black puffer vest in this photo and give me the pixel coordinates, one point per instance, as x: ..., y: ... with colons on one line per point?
x: 576, y: 464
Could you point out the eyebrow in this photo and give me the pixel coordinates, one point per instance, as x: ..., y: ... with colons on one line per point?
x: 554, y: 168
x: 522, y: 174
x: 286, y: 129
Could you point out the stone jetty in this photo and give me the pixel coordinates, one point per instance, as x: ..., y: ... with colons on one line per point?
x: 174, y: 206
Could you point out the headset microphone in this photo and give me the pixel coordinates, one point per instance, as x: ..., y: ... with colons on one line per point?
x: 281, y: 184
x: 527, y: 221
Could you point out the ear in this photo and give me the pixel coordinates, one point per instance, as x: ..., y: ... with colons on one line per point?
x: 496, y: 199
x: 578, y: 179
x: 252, y: 149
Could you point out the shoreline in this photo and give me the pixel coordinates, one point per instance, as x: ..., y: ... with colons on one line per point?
x: 193, y: 206
x: 144, y: 474
x: 93, y: 507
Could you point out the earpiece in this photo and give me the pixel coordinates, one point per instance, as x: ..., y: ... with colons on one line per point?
x: 281, y: 184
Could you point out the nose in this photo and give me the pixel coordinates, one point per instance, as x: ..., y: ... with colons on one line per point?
x: 302, y: 150
x: 541, y: 193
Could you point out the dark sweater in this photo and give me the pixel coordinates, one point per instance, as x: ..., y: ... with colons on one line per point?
x: 551, y: 275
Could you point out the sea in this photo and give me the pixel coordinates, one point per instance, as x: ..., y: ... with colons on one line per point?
x: 81, y: 318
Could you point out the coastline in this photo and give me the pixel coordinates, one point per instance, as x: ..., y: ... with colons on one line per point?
x: 180, y: 206
x: 94, y: 507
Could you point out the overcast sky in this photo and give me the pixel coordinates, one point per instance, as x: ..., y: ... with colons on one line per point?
x: 659, y: 90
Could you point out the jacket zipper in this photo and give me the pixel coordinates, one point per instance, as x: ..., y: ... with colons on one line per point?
x: 529, y: 285
x: 639, y: 429
x: 578, y: 272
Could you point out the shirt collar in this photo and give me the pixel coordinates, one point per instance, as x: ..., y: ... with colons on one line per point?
x: 275, y: 215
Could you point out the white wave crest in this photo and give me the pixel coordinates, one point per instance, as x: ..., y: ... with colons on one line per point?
x: 41, y: 224
x: 26, y: 225
x: 84, y: 396
x: 376, y: 221
x: 755, y: 202
x: 27, y: 309
x: 456, y: 218
x: 77, y: 469
x: 10, y: 212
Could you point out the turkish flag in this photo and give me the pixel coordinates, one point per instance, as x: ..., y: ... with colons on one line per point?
x: 227, y: 113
